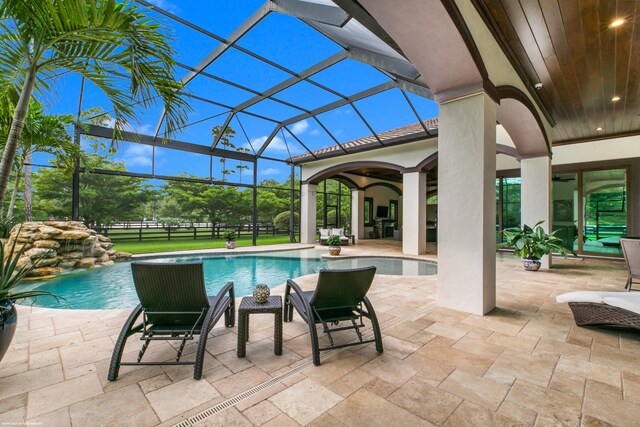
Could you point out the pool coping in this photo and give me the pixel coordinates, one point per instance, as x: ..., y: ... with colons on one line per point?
x: 225, y: 251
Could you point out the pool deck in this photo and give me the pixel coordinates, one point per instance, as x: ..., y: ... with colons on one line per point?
x: 526, y: 363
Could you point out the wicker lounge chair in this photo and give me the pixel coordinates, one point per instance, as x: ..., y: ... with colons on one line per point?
x: 631, y: 251
x: 339, y: 296
x: 618, y: 309
x: 173, y: 306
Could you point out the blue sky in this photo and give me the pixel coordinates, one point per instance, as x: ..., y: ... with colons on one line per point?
x: 282, y: 39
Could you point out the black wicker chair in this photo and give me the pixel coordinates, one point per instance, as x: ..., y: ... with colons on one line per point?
x: 173, y: 306
x: 340, y: 295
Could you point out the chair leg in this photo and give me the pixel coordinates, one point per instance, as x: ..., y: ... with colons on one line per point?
x: 207, y: 325
x: 315, y: 345
x: 230, y: 315
x: 288, y: 311
x: 628, y: 286
x: 125, y: 332
x: 374, y: 325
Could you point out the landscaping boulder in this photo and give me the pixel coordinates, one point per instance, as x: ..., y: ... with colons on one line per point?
x: 48, y: 244
x: 58, y: 245
x: 88, y: 262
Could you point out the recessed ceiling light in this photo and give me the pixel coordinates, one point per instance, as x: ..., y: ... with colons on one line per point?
x: 538, y: 85
x: 617, y: 23
x: 599, y: 128
x: 615, y: 98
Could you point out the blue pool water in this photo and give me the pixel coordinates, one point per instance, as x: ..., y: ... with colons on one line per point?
x: 112, y: 287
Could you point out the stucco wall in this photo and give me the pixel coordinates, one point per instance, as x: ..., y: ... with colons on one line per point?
x: 406, y: 155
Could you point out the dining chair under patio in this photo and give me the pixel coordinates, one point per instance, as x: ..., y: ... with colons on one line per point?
x: 173, y: 306
x: 631, y: 251
x: 340, y: 295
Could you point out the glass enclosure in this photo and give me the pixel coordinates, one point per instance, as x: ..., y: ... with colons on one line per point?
x: 565, y: 209
x: 589, y: 209
x: 333, y: 205
x: 507, y: 205
x: 604, y: 210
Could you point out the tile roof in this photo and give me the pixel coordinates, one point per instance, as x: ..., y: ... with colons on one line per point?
x: 403, y: 134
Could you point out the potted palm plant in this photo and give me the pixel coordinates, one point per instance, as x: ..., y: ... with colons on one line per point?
x: 231, y: 239
x: 11, y: 274
x: 532, y: 243
x: 334, y: 245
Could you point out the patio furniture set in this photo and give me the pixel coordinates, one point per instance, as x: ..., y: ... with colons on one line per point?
x: 344, y: 238
x: 174, y: 306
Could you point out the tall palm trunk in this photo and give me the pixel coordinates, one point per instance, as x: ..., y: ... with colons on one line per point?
x: 14, y: 193
x: 19, y: 115
x: 28, y: 214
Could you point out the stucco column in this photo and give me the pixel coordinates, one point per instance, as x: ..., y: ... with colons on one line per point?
x: 467, y: 204
x: 414, y: 213
x: 357, y: 213
x: 535, y: 195
x: 308, y: 213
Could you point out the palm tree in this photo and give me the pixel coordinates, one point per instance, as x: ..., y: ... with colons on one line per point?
x: 45, y: 134
x: 121, y: 50
x: 225, y: 141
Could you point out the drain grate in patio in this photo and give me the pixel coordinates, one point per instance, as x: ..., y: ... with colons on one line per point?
x: 201, y: 416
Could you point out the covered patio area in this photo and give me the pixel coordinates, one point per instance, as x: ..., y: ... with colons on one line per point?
x: 525, y: 363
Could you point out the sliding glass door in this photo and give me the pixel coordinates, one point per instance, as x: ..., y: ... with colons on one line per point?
x: 565, y: 209
x: 604, y: 195
x: 589, y: 209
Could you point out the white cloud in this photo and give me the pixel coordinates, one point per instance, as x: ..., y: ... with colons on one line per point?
x: 314, y: 132
x: 269, y: 171
x: 138, y: 155
x: 166, y: 5
x: 300, y: 127
x: 145, y: 129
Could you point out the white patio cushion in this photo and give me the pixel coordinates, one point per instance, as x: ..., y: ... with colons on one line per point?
x: 324, y: 233
x: 594, y: 296
x: 631, y: 304
x: 337, y: 231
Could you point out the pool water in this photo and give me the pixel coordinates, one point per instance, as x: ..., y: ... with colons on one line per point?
x: 112, y: 287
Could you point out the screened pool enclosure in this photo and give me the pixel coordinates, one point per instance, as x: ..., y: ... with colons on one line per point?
x: 294, y: 77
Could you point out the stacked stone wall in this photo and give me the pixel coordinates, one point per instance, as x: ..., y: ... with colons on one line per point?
x: 55, y: 246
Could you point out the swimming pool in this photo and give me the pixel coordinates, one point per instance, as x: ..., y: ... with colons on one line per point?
x: 112, y: 287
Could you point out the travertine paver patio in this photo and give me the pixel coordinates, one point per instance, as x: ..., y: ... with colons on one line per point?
x: 525, y: 363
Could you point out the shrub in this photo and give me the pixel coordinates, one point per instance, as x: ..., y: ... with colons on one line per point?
x: 230, y: 236
x: 334, y: 241
x: 281, y: 221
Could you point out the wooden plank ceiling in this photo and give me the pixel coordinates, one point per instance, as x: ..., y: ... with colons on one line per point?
x: 581, y: 60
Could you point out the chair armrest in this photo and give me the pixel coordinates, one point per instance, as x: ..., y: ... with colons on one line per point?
x: 308, y: 313
x: 228, y: 288
x: 291, y: 285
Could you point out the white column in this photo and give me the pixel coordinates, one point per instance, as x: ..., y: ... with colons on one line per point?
x: 308, y: 213
x: 414, y: 213
x: 467, y: 204
x: 535, y: 195
x: 357, y: 213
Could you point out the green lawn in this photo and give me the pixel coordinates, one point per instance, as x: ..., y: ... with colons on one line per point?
x: 187, y: 244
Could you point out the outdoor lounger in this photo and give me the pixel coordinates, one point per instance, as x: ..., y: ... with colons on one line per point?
x: 591, y: 308
x: 340, y: 295
x: 173, y: 306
